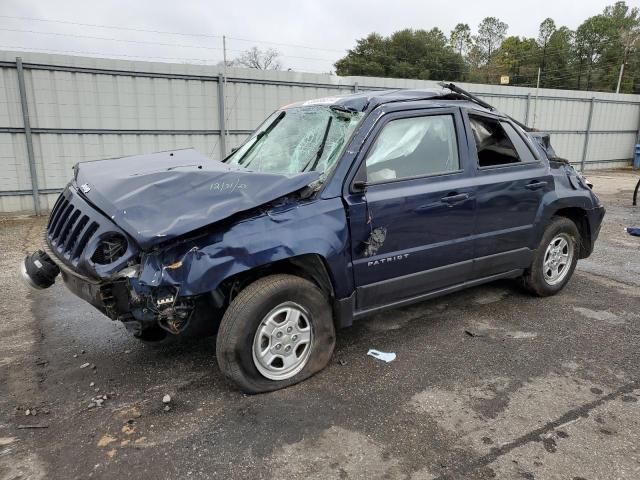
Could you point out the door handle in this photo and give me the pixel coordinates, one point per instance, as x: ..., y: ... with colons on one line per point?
x: 535, y: 185
x: 455, y: 198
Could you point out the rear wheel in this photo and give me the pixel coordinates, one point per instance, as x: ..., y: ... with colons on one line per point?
x: 278, y: 331
x: 555, y: 259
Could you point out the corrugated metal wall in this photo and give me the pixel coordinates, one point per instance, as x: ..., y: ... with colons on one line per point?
x: 87, y: 108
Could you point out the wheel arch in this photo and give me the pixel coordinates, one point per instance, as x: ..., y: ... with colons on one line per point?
x: 580, y: 218
x: 310, y: 266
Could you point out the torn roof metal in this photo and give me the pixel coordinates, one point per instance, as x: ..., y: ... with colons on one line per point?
x: 367, y: 101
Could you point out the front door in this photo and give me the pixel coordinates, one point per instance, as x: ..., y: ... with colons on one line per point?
x: 412, y: 224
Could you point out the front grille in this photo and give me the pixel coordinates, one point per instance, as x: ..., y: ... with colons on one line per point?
x: 69, y: 229
x: 83, y: 240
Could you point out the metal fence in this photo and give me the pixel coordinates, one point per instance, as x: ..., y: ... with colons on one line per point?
x: 56, y: 110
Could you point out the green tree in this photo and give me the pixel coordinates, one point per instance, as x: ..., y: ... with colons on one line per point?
x: 406, y: 53
x: 370, y: 58
x: 460, y: 39
x: 519, y: 58
x: 591, y: 39
x: 588, y: 58
x: 603, y: 43
x: 491, y: 33
x: 623, y: 25
x: 560, y: 59
x: 546, y: 29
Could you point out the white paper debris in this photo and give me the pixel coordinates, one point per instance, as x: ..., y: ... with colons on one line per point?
x: 384, y: 356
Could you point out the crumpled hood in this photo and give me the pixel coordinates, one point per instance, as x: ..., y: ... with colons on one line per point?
x: 163, y: 195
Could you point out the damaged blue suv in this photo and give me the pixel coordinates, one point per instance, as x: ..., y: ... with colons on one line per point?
x: 332, y: 210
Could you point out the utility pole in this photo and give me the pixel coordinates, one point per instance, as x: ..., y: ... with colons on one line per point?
x: 224, y: 52
x: 224, y: 92
x: 535, y: 104
x: 620, y: 77
x: 629, y: 41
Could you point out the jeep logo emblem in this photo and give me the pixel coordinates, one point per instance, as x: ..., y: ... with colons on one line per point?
x: 85, y: 188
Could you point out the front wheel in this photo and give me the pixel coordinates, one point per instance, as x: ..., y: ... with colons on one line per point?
x: 555, y: 259
x: 277, y: 332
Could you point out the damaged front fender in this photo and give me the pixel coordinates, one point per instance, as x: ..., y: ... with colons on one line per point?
x: 201, y: 264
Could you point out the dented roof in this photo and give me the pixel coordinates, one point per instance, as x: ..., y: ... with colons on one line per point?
x: 369, y: 100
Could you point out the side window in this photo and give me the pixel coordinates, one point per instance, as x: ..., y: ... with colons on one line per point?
x: 412, y: 147
x: 492, y: 142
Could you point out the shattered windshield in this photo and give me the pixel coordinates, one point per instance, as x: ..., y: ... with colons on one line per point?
x: 297, y: 139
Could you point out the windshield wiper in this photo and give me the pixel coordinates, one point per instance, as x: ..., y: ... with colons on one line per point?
x: 320, y: 148
x: 343, y: 112
x: 261, y: 135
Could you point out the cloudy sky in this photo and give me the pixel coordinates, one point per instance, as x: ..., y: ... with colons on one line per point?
x: 310, y: 35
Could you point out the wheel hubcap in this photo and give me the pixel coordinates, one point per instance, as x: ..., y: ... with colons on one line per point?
x: 558, y: 258
x: 282, y: 343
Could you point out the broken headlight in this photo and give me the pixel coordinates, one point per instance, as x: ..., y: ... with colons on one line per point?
x: 110, y: 249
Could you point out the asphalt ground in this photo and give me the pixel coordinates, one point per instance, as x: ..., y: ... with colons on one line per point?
x: 488, y: 383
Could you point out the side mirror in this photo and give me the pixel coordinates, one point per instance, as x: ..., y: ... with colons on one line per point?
x: 234, y: 149
x: 360, y: 181
x: 359, y: 186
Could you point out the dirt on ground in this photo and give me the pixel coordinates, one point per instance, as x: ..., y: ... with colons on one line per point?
x: 488, y: 383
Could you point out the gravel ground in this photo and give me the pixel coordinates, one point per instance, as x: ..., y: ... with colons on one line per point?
x: 488, y: 383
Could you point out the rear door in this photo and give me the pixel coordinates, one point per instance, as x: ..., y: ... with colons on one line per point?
x: 511, y: 183
x: 411, y: 228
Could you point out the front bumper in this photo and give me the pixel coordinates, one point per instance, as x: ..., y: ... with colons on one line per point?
x: 75, y: 234
x: 112, y: 299
x: 138, y: 306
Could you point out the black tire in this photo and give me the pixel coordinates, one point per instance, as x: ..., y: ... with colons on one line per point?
x: 234, y: 344
x: 534, y: 279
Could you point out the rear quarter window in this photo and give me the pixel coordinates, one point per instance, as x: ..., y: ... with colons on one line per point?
x: 524, y: 152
